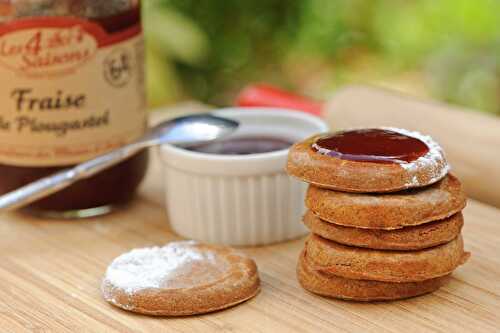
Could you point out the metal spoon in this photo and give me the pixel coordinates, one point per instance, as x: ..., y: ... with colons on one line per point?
x: 184, y: 131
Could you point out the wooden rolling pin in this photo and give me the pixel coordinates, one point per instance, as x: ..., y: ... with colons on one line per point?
x: 471, y: 139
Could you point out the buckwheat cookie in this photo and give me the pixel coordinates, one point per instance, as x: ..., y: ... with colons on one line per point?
x: 405, y: 239
x: 389, y: 210
x: 368, y: 160
x: 361, y: 290
x: 181, y: 278
x: 390, y: 266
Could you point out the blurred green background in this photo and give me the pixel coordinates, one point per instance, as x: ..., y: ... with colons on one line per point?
x: 209, y: 49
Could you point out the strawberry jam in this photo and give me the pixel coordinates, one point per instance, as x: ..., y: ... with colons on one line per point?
x: 372, y: 145
x: 73, y: 88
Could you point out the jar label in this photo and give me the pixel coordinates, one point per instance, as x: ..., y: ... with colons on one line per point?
x: 70, y: 90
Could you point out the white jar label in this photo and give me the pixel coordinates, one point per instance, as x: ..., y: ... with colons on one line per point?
x: 69, y: 90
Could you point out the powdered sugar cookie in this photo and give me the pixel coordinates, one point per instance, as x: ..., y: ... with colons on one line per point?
x: 368, y: 160
x: 181, y: 278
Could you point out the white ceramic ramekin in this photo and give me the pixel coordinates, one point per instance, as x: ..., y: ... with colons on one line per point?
x: 240, y: 200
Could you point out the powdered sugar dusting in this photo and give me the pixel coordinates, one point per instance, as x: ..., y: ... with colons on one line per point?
x: 430, y: 161
x: 321, y: 150
x: 146, y: 268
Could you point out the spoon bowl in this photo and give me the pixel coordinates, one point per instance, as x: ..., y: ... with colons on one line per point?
x: 191, y: 130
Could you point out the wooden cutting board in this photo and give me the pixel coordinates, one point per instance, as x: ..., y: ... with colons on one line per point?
x: 50, y: 273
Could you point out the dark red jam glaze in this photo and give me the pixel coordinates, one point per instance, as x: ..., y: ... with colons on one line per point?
x: 244, y: 146
x: 114, y: 186
x: 372, y: 145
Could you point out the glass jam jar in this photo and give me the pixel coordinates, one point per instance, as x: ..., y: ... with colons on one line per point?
x: 72, y: 78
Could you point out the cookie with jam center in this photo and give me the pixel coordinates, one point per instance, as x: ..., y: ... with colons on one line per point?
x: 389, y: 266
x: 330, y: 285
x: 405, y: 239
x: 390, y: 210
x: 368, y: 160
x: 179, y: 279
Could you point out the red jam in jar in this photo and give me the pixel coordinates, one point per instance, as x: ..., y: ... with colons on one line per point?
x: 372, y: 145
x: 72, y: 79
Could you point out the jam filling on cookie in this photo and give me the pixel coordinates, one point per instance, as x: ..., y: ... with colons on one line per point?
x: 372, y: 145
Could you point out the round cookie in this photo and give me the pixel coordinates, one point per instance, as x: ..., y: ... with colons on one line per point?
x: 316, y: 165
x: 181, y: 278
x: 390, y: 210
x: 405, y: 239
x: 389, y: 266
x: 361, y: 290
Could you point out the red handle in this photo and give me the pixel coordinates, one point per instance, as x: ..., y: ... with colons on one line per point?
x: 266, y: 95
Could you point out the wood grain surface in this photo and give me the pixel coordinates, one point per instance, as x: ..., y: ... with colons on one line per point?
x: 50, y: 273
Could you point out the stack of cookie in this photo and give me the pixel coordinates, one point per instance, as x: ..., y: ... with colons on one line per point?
x: 384, y: 212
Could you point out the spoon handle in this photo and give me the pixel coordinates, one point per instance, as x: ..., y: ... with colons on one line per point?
x: 54, y: 183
